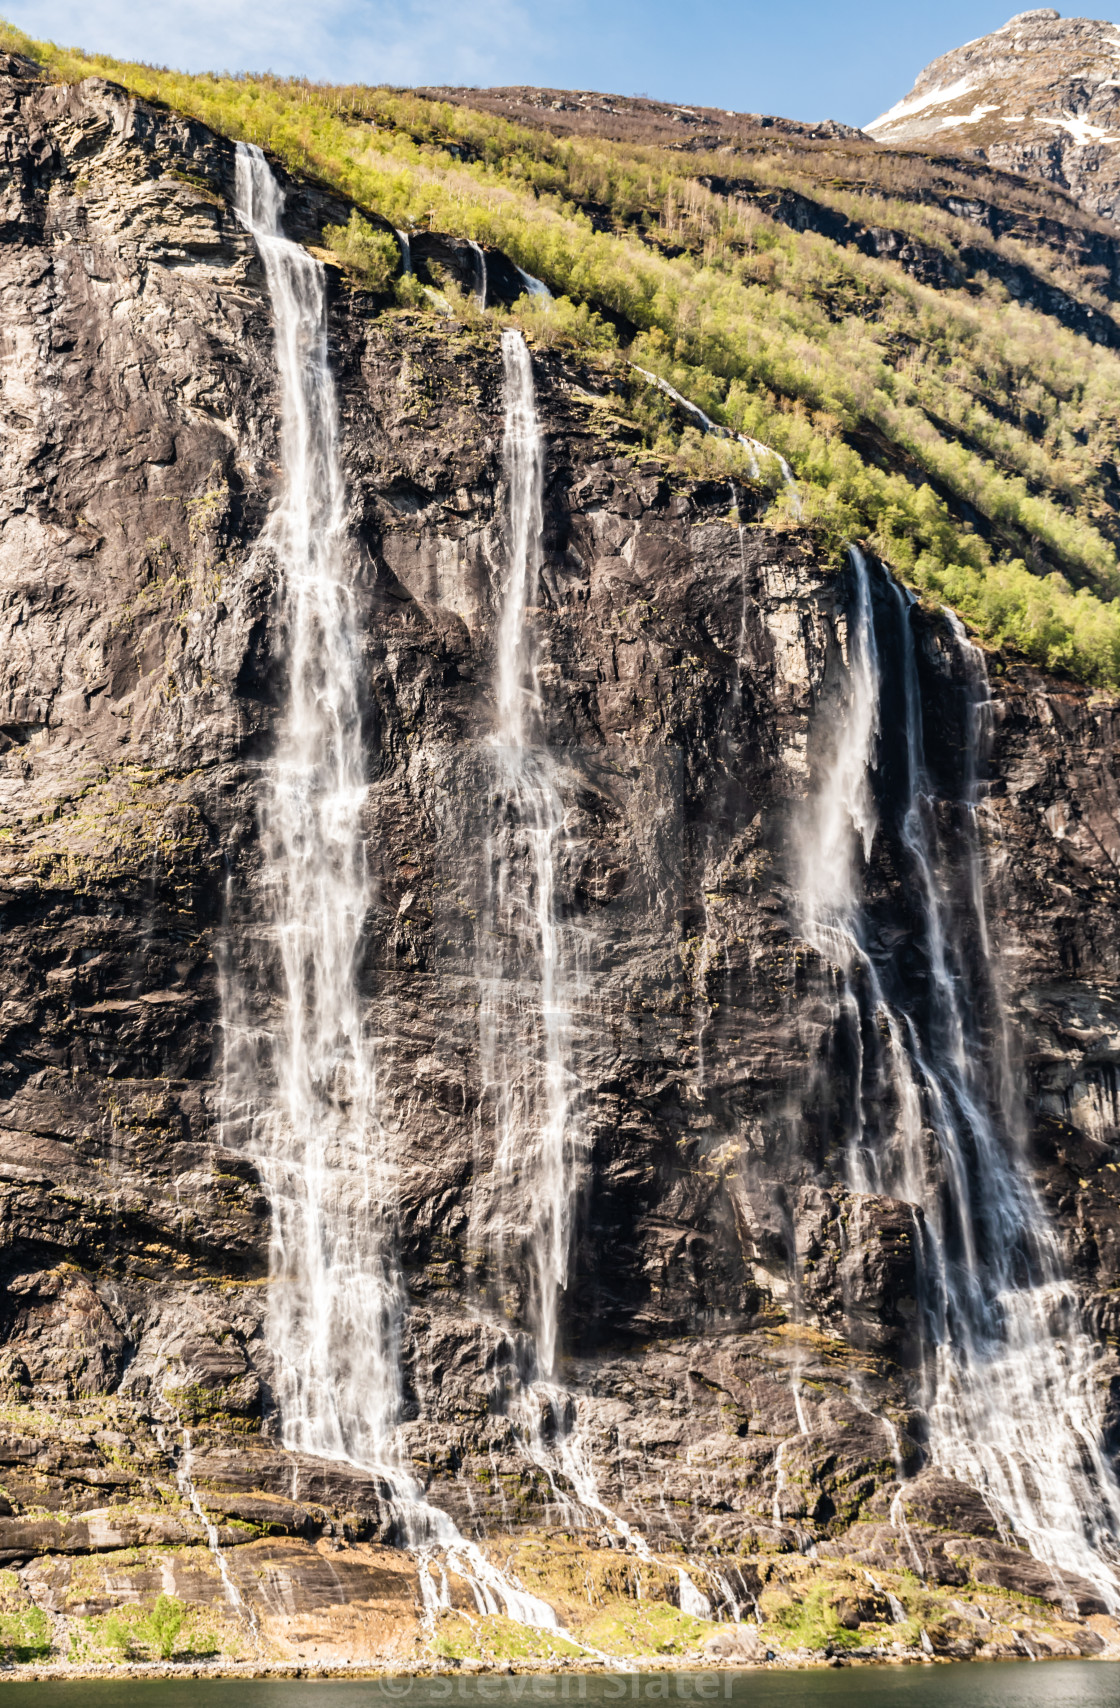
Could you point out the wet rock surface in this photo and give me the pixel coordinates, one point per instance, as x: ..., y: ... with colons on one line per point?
x: 739, y: 1328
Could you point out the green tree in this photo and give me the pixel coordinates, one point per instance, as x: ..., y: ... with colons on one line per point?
x: 373, y: 255
x: 118, y: 1636
x: 163, y: 1625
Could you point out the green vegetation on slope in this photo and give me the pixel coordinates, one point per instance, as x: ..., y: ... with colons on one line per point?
x: 968, y: 439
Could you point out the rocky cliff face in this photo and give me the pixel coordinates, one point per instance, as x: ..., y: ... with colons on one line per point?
x: 738, y: 1326
x: 1038, y: 96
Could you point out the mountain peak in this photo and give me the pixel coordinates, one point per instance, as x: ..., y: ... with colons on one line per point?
x: 1040, y: 95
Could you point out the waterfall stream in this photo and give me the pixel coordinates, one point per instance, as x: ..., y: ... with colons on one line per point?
x: 1010, y: 1396
x: 534, y: 287
x: 335, y: 1298
x: 532, y: 985
x: 335, y: 1294
x: 529, y: 980
x: 1011, y: 1400
x: 482, y: 287
x: 757, y: 452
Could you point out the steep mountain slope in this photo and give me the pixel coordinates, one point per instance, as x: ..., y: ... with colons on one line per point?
x: 1039, y: 96
x: 931, y: 347
x: 743, y: 1326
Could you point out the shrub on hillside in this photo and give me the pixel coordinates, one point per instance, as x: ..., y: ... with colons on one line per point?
x: 372, y: 256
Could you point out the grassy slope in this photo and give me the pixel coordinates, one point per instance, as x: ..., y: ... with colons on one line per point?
x: 966, y: 438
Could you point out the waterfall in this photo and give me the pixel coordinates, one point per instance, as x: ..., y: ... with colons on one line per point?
x: 704, y: 422
x: 1010, y: 1395
x: 335, y: 1293
x: 184, y: 1466
x: 406, y: 252
x: 692, y: 1600
x: 335, y: 1297
x: 532, y: 983
x: 843, y: 817
x: 533, y: 287
x: 483, y: 285
x: 528, y: 985
x: 757, y: 452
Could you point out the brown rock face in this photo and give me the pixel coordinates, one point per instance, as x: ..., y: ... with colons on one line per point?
x: 728, y: 1292
x: 1038, y: 96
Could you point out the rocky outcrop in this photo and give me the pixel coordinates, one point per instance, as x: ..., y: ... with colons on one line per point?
x: 933, y: 266
x: 1038, y: 96
x: 635, y: 118
x: 739, y: 1326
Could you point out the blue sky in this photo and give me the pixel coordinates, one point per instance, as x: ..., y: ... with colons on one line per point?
x: 808, y: 59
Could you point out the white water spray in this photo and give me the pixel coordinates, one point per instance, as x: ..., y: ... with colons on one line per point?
x: 756, y: 450
x: 528, y: 977
x: 1012, y: 1402
x: 532, y: 983
x: 335, y: 1296
x: 482, y: 287
x: 534, y: 287
x: 693, y: 1601
x: 185, y: 1481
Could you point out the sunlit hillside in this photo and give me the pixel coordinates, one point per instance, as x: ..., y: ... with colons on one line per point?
x: 934, y: 346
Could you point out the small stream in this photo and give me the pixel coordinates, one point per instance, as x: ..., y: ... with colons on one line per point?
x: 1015, y: 1684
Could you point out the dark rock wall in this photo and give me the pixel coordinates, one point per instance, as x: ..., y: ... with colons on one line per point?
x: 690, y: 676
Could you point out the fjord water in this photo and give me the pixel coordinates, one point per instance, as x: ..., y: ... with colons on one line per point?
x: 1017, y: 1684
x: 1010, y: 1395
x: 311, y: 1108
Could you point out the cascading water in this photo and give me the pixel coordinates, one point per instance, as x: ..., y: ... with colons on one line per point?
x: 335, y: 1295
x: 482, y: 288
x: 189, y: 1492
x: 757, y: 453
x: 534, y: 287
x: 1011, y: 1400
x: 528, y: 977
x: 532, y: 984
x: 335, y: 1299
